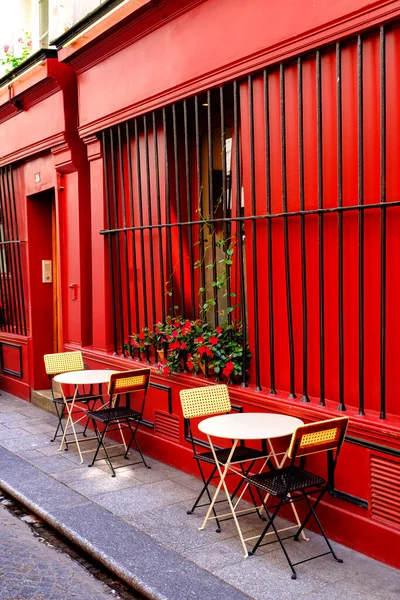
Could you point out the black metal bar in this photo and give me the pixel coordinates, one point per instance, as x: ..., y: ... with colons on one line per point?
x: 254, y: 232
x: 298, y: 213
x: 119, y: 268
x: 178, y: 210
x: 286, y: 231
x: 239, y: 228
x: 21, y: 284
x: 130, y: 182
x: 199, y: 201
x: 160, y: 241
x: 269, y: 242
x: 15, y: 273
x: 211, y: 203
x: 382, y: 135
x: 360, y: 131
x: 3, y: 264
x: 140, y: 203
x: 341, y: 406
x: 125, y: 238
x: 150, y: 217
x: 10, y: 294
x: 303, y: 249
x: 168, y: 213
x: 189, y: 208
x: 321, y: 269
x: 225, y: 202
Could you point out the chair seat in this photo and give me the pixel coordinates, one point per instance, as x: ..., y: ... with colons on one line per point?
x: 240, y: 454
x: 276, y: 482
x: 108, y: 415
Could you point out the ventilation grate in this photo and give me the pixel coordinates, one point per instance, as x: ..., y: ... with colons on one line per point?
x: 167, y: 425
x: 385, y: 486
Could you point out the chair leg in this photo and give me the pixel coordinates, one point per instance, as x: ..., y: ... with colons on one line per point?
x: 313, y: 513
x: 245, y: 473
x: 205, y: 490
x: 100, y: 436
x: 60, y: 414
x: 133, y: 439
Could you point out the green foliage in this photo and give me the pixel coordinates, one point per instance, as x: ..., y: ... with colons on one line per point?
x: 10, y: 60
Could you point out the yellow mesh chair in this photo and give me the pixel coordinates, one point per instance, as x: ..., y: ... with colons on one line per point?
x: 128, y: 383
x: 206, y: 402
x: 294, y: 483
x: 66, y: 362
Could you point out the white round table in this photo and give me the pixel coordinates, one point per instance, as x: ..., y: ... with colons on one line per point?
x: 77, y: 378
x: 246, y: 426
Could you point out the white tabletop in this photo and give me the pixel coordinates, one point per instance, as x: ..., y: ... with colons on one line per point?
x: 250, y: 426
x: 85, y: 377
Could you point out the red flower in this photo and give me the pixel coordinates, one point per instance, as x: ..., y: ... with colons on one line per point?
x: 228, y: 368
x: 218, y: 329
x: 209, y: 352
x: 177, y: 322
x: 20, y: 40
x: 190, y: 365
x: 213, y: 341
x: 183, y: 346
x: 6, y: 48
x: 175, y: 333
x: 29, y: 44
x: 199, y: 340
x: 188, y: 324
x: 166, y: 370
x: 175, y: 345
x: 141, y: 335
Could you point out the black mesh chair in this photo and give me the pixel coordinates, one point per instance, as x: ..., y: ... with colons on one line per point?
x: 293, y: 483
x: 206, y: 402
x: 118, y: 416
x: 66, y: 362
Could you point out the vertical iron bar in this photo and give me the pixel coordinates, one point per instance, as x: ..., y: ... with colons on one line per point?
x: 341, y: 405
x: 140, y: 202
x: 254, y: 233
x: 13, y: 250
x: 189, y: 208
x: 225, y: 201
x: 360, y: 226
x: 199, y: 201
x: 11, y: 298
x: 269, y: 234
x: 240, y: 227
x: 150, y: 217
x: 211, y: 203
x: 3, y: 263
x: 119, y: 270
x: 168, y: 212
x: 286, y: 230
x: 160, y: 242
x: 125, y: 234
x: 130, y: 179
x: 382, y: 104
x: 303, y: 250
x: 21, y: 285
x: 178, y: 209
x: 110, y: 242
x: 320, y: 233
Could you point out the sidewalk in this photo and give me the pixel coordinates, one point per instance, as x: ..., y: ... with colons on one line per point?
x: 136, y: 524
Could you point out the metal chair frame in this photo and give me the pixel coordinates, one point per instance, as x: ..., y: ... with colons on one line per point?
x: 66, y: 362
x: 205, y: 402
x: 126, y: 382
x: 293, y: 483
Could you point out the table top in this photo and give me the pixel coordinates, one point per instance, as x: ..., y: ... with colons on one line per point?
x: 85, y: 377
x: 250, y: 426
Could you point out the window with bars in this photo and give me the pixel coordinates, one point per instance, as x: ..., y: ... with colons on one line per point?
x: 44, y: 23
x: 295, y: 166
x: 12, y: 297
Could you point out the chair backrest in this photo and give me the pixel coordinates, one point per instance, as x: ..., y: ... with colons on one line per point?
x: 63, y: 362
x: 205, y: 401
x: 318, y: 437
x: 126, y: 382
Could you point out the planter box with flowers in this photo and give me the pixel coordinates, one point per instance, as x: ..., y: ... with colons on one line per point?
x: 181, y: 345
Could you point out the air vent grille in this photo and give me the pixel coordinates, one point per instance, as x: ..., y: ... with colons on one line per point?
x: 385, y: 487
x: 167, y: 425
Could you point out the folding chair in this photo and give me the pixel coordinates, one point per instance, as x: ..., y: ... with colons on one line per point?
x: 293, y: 483
x: 127, y: 383
x: 66, y: 362
x: 206, y: 402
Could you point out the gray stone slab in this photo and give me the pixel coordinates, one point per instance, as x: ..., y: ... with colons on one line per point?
x: 79, y: 474
x: 94, y: 486
x: 52, y: 464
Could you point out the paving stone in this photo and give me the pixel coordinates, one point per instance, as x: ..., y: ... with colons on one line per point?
x: 52, y: 464
x: 79, y: 474
x: 93, y: 486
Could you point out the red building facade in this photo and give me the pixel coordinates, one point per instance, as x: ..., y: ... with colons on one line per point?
x: 282, y: 127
